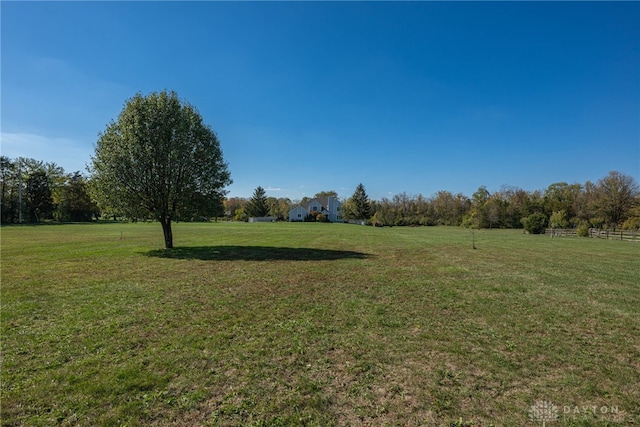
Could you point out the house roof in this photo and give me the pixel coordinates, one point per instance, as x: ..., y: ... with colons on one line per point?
x: 322, y: 201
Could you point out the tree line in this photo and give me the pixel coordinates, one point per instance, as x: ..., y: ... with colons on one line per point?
x: 612, y: 202
x: 49, y: 193
x: 33, y: 191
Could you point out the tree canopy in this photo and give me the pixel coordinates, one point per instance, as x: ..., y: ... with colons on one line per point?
x: 29, y: 189
x: 323, y: 194
x: 615, y: 195
x: 612, y: 201
x: 159, y: 160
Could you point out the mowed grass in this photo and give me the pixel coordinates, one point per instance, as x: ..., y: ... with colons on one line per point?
x: 315, y: 324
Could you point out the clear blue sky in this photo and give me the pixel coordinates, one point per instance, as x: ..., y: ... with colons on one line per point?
x: 409, y: 97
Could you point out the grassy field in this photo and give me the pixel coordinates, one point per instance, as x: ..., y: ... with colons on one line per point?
x: 316, y: 324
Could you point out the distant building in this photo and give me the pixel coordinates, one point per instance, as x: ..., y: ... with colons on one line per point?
x: 263, y: 219
x: 329, y: 206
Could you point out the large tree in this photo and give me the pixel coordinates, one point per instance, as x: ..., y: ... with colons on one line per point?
x: 159, y: 160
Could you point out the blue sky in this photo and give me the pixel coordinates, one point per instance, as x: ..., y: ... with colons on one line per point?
x: 409, y: 97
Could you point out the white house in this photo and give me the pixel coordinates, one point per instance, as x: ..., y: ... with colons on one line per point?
x: 330, y: 206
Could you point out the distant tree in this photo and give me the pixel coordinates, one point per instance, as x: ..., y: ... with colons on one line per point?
x: 402, y: 204
x: 159, y: 160
x: 518, y: 201
x: 8, y: 190
x: 32, y: 182
x: 279, y: 208
x: 535, y: 223
x: 257, y: 206
x: 377, y: 220
x: 558, y: 219
x: 240, y: 215
x: 383, y: 212
x: 74, y: 203
x: 471, y: 222
x: 564, y: 197
x: 580, y: 211
x: 445, y: 209
x: 232, y: 204
x: 305, y: 200
x: 361, y: 205
x: 479, y: 206
x: 324, y: 194
x: 597, y: 222
x: 214, y: 208
x: 633, y: 220
x: 285, y: 206
x: 495, y: 210
x: 615, y: 195
x: 533, y: 203
x: 39, y: 196
x: 347, y: 209
x: 585, y: 209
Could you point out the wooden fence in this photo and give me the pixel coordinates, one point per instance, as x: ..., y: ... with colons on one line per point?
x: 628, y: 235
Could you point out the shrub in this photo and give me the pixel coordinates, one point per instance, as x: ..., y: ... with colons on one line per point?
x: 632, y: 223
x: 558, y: 219
x: 376, y: 220
x: 582, y: 229
x: 311, y: 217
x: 597, y: 222
x: 241, y: 215
x: 535, y: 223
x: 322, y: 217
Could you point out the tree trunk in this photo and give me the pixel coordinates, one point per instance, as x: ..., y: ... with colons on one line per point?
x: 168, y: 234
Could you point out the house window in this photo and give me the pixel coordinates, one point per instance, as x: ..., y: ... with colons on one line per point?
x: 299, y: 215
x: 315, y: 208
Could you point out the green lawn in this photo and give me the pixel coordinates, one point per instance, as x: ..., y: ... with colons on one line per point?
x: 316, y: 324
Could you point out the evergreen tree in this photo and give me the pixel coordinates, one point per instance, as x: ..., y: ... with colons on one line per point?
x: 257, y: 205
x: 361, y: 205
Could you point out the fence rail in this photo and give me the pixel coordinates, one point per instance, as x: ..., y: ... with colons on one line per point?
x: 628, y: 235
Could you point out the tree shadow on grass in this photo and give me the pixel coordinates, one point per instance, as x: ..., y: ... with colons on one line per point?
x: 254, y: 253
